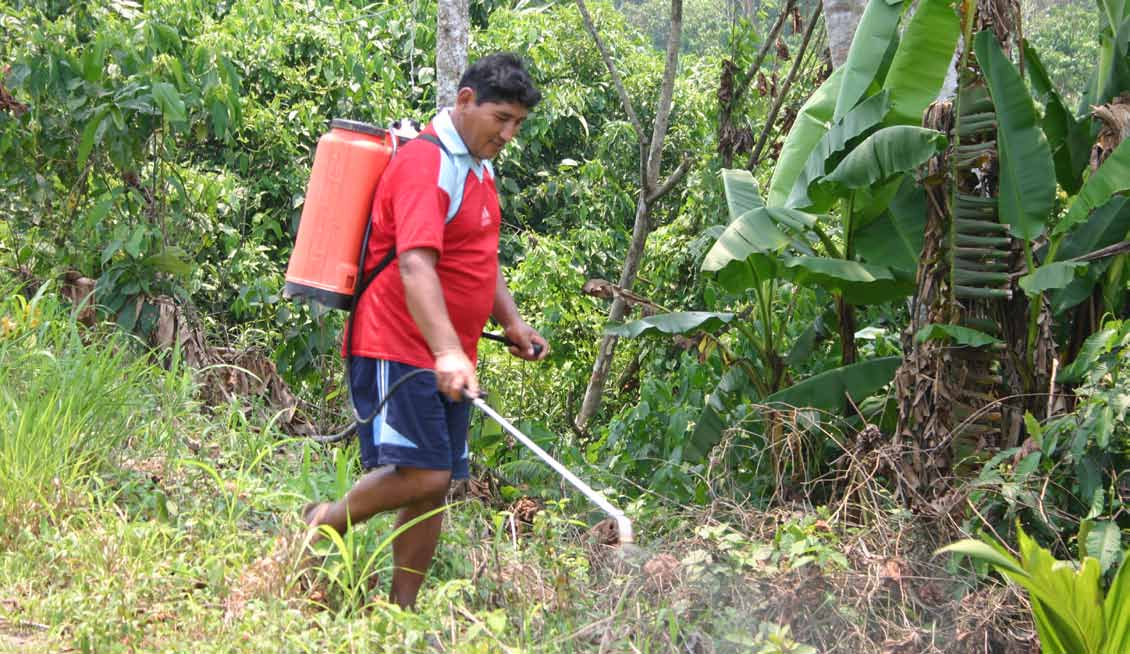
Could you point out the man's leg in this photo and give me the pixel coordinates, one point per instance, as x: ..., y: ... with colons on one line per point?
x: 383, y: 489
x: 413, y: 550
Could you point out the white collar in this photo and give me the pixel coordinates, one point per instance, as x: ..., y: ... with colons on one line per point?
x: 447, y: 133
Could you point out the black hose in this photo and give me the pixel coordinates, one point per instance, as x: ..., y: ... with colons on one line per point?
x: 351, y: 429
x: 358, y: 420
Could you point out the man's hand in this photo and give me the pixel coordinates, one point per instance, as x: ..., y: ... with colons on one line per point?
x: 454, y: 374
x: 524, y: 338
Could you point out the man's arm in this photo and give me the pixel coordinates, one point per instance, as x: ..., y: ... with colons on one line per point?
x: 523, y: 336
x: 424, y: 297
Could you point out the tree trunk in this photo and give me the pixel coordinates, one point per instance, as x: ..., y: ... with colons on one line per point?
x: 593, y: 394
x: 651, y: 190
x: 841, y: 17
x: 952, y: 397
x: 453, y: 29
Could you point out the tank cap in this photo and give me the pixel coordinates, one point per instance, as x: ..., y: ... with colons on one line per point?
x: 356, y: 126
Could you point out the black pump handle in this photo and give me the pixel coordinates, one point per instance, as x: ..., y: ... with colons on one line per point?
x: 498, y: 338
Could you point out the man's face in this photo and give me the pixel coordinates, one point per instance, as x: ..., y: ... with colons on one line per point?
x: 486, y: 127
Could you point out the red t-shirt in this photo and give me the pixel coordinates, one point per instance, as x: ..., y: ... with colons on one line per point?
x: 410, y: 210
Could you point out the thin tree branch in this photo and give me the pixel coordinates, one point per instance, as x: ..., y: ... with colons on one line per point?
x: 607, y: 57
x: 672, y: 180
x: 780, y: 99
x: 809, y: 68
x: 1121, y: 247
x: 666, y: 92
x: 770, y: 41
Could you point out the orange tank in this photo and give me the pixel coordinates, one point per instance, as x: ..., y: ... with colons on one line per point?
x: 348, y: 163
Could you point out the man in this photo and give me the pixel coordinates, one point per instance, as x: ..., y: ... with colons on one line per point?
x: 439, y: 211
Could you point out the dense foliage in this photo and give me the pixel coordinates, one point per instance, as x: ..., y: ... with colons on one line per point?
x: 162, y: 149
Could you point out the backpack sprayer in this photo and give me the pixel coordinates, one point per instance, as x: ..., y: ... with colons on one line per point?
x: 327, y: 264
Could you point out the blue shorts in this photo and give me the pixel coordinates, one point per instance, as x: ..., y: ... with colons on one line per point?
x: 418, y: 427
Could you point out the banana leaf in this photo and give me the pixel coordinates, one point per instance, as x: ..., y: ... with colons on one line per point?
x: 681, y: 322
x: 859, y: 121
x: 1027, y: 174
x: 877, y: 28
x: 817, y: 332
x: 888, y: 152
x: 895, y: 238
x: 1112, y: 74
x: 828, y: 390
x: 811, y: 123
x: 741, y: 191
x: 710, y: 426
x: 921, y: 62
x: 751, y: 247
x: 1112, y: 177
x: 859, y: 283
x: 956, y: 334
x: 1068, y: 138
x: 1107, y: 225
x: 1049, y: 276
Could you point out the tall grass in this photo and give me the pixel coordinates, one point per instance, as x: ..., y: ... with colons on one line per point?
x: 66, y: 406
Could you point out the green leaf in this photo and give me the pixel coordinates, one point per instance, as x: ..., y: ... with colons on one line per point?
x: 922, y: 60
x: 888, y: 152
x: 877, y: 28
x: 709, y: 428
x: 683, y: 322
x: 219, y: 118
x: 1093, y: 348
x: 757, y: 232
x: 858, y: 121
x: 1111, y: 177
x: 135, y: 242
x: 954, y: 334
x: 1104, y: 542
x: 170, y: 102
x: 1069, y: 139
x: 170, y: 260
x: 1069, y: 602
x: 1116, y: 611
x: 741, y: 191
x: 811, y: 123
x: 1106, y: 225
x: 90, y: 134
x: 980, y: 551
x: 816, y: 332
x: 1050, y: 276
x: 1027, y: 174
x: 895, y: 238
x: 859, y: 283
x: 828, y: 390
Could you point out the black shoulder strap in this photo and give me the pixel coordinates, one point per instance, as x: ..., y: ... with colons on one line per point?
x: 434, y: 140
x: 384, y: 262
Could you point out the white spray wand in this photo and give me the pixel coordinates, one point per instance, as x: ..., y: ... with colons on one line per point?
x: 623, y: 525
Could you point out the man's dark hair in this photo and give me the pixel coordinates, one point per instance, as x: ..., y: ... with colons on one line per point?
x: 501, y: 77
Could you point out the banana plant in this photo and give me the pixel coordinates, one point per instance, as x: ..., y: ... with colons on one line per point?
x: 842, y: 167
x: 841, y: 188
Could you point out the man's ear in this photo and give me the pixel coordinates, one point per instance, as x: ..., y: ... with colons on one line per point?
x: 465, y: 97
